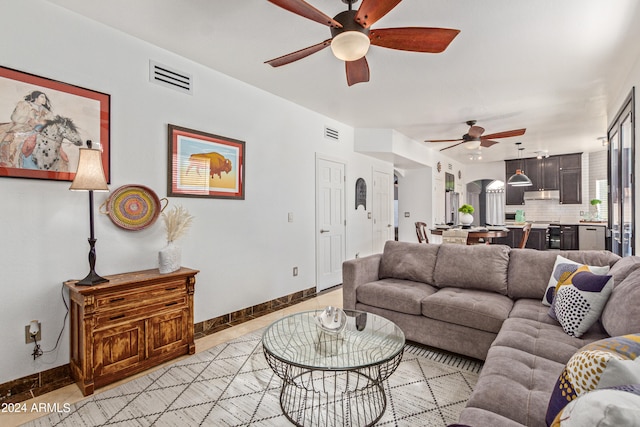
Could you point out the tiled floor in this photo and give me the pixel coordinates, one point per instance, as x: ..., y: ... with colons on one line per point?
x: 37, y: 407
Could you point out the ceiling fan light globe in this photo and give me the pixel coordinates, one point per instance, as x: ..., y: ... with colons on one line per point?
x: 350, y: 45
x: 472, y: 145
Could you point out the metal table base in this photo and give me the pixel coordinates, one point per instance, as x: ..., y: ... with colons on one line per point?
x: 319, y: 389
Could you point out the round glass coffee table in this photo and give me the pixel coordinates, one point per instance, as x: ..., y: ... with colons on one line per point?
x: 333, y: 379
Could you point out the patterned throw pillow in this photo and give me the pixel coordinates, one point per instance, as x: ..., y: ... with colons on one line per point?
x: 614, y: 406
x: 606, y: 363
x: 562, y: 269
x: 580, y: 299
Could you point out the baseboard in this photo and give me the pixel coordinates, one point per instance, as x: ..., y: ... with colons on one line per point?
x: 43, y: 382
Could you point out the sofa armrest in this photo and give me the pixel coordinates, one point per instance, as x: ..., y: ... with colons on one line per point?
x: 356, y: 272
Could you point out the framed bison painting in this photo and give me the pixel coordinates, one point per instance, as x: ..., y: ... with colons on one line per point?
x: 204, y: 165
x: 44, y: 123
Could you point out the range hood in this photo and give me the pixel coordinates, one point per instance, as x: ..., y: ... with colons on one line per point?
x: 542, y: 195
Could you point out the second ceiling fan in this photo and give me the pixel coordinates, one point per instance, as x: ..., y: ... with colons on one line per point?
x: 475, y: 139
x: 351, y: 35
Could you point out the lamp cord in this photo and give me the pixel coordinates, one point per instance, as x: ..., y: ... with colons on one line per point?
x: 64, y: 324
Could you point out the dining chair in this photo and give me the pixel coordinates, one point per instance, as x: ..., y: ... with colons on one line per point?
x: 421, y: 232
x: 456, y: 236
x: 526, y: 230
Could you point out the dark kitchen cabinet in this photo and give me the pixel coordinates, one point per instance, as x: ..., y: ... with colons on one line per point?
x: 562, y: 173
x: 571, y: 161
x: 513, y: 195
x: 511, y: 239
x: 569, y: 237
x: 543, y: 173
x: 537, y: 238
x: 571, y: 179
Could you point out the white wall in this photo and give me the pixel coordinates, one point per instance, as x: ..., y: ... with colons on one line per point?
x: 245, y: 249
x: 421, y: 185
x: 415, y: 197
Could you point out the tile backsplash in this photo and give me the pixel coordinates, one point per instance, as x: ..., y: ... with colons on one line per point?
x: 551, y: 210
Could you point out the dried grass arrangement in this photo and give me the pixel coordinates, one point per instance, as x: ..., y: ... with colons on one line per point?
x: 176, y: 222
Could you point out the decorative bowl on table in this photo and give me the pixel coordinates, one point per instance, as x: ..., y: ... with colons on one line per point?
x: 332, y: 320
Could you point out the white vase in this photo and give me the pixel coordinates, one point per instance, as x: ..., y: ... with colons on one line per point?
x: 169, y: 258
x: 465, y: 219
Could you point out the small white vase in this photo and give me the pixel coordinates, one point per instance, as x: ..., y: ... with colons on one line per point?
x: 465, y: 219
x: 169, y: 258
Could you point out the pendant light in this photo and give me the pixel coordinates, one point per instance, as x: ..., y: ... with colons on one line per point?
x: 519, y: 179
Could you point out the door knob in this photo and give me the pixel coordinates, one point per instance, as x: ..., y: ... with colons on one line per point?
x: 324, y: 231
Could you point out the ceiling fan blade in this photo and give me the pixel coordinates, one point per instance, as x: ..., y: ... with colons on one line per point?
x: 486, y: 143
x: 299, y: 54
x: 451, y: 146
x: 372, y: 10
x: 304, y: 9
x: 442, y: 140
x: 475, y: 131
x: 357, y: 71
x: 506, y: 134
x: 414, y: 39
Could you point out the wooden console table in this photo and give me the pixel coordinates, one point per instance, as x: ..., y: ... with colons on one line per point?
x: 133, y: 322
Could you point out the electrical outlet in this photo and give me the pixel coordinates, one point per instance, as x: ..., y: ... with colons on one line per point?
x: 27, y: 334
x: 295, y: 271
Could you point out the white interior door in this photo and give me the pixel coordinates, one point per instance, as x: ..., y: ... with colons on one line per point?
x: 330, y: 224
x: 382, y: 208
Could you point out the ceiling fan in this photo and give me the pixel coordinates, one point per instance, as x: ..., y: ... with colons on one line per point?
x: 474, y: 138
x: 351, y: 35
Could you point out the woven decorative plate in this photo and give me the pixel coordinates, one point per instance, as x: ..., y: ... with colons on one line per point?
x: 133, y: 207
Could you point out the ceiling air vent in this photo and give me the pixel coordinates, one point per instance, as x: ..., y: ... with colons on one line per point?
x: 171, y: 78
x: 332, y: 134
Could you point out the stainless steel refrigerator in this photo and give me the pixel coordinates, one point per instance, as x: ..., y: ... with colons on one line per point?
x: 451, y: 205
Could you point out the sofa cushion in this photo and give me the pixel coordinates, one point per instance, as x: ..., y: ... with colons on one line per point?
x: 482, y: 267
x: 625, y: 266
x: 613, y: 406
x: 529, y: 269
x: 515, y: 384
x: 532, y: 309
x: 606, y: 363
x: 408, y: 261
x: 544, y: 339
x: 562, y: 269
x: 478, y: 417
x: 400, y: 295
x: 580, y: 299
x: 620, y: 315
x: 529, y: 272
x: 476, y: 309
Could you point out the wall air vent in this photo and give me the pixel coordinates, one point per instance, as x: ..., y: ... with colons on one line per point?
x: 332, y: 134
x: 171, y: 78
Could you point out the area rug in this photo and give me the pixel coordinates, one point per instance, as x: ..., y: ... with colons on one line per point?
x: 232, y: 385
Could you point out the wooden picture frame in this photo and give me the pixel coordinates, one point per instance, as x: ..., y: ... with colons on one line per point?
x: 44, y: 123
x: 204, y: 165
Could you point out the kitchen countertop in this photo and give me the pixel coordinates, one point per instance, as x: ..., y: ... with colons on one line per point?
x: 546, y: 225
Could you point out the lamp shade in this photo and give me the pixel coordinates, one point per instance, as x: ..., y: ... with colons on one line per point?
x: 519, y: 179
x: 350, y: 45
x: 90, y: 174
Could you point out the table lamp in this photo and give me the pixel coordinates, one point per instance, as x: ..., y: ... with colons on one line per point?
x: 90, y: 177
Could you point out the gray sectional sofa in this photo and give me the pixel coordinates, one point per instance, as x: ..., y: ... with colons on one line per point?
x: 484, y: 301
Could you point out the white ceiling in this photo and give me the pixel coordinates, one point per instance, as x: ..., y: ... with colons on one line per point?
x: 546, y: 65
